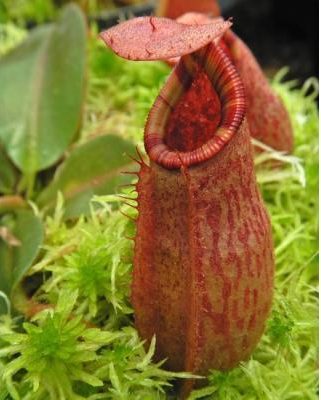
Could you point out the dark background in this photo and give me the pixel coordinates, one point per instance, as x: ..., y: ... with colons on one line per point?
x: 279, y: 32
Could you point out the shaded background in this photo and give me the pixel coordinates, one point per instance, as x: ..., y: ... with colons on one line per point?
x: 280, y: 33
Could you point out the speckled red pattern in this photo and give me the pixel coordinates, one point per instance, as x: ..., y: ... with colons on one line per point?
x: 151, y: 38
x: 203, y: 266
x: 268, y: 118
x: 183, y: 129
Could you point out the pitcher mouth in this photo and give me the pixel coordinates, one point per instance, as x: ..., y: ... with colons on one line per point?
x: 228, y: 87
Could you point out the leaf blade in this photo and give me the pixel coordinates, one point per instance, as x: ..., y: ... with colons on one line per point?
x: 41, y: 80
x: 92, y: 168
x: 16, y: 261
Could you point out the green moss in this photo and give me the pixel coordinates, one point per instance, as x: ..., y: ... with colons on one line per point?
x: 120, y: 93
x: 52, y: 352
x: 26, y: 11
x: 10, y: 36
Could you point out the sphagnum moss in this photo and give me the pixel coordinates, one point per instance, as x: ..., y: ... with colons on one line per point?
x: 51, y: 353
x: 85, y: 346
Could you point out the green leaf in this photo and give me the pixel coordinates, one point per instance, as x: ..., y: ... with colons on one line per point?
x: 16, y: 261
x: 92, y: 168
x: 42, y: 90
x: 7, y: 174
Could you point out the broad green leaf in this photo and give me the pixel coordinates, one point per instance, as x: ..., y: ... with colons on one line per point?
x: 42, y: 90
x: 92, y: 168
x: 7, y: 174
x: 16, y: 260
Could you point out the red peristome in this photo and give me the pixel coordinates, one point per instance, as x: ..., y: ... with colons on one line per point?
x: 160, y: 137
x: 151, y: 38
x: 175, y: 8
x: 203, y: 264
x: 267, y: 116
